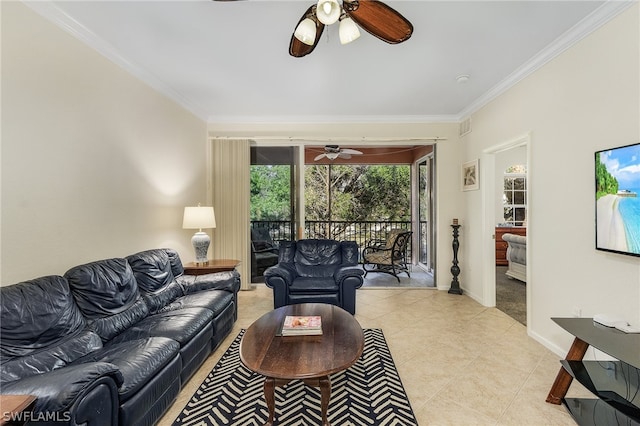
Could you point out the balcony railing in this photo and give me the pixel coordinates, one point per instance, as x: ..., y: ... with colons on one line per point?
x: 360, y: 232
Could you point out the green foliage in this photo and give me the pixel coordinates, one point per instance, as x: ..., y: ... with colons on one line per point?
x: 270, y: 194
x: 358, y: 193
x: 605, y: 182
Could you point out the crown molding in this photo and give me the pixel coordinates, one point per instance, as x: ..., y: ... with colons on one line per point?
x: 334, y: 119
x: 596, y: 19
x: 53, y: 13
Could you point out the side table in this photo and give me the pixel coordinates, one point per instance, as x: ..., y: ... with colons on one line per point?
x: 14, y: 407
x: 210, y: 266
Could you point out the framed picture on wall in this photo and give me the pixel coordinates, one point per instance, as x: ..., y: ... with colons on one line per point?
x: 470, y: 175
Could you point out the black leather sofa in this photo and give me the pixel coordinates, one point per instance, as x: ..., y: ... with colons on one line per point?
x: 112, y: 342
x: 316, y: 271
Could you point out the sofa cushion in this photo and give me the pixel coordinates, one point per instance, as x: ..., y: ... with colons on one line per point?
x: 317, y: 258
x: 35, y: 314
x: 214, y: 300
x: 180, y: 325
x: 313, y: 285
x: 226, y: 280
x: 41, y: 328
x: 107, y: 294
x: 54, y: 356
x: 138, y: 360
x: 152, y: 270
x: 176, y: 263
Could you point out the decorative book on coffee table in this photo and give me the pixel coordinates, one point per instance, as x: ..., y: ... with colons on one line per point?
x: 302, y: 325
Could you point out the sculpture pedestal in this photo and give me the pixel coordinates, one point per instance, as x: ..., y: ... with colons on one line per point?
x: 455, y: 269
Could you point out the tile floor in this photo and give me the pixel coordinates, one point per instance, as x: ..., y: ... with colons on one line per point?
x: 460, y: 363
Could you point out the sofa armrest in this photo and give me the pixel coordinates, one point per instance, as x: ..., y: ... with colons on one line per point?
x: 342, y: 273
x: 72, y: 391
x: 516, y: 248
x: 279, y: 278
x: 228, y: 281
x: 349, y: 279
x: 285, y: 273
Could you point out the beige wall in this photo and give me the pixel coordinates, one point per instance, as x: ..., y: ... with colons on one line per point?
x: 585, y: 100
x: 95, y: 164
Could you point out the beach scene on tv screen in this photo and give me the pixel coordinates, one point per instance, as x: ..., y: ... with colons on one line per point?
x: 617, y: 202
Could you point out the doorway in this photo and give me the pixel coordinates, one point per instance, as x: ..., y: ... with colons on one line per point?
x: 498, y: 215
x: 511, y: 227
x: 288, y: 219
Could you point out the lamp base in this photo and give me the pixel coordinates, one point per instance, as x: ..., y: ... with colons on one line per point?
x: 201, y: 241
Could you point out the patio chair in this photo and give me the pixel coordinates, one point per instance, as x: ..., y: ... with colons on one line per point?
x: 388, y: 256
x: 264, y: 252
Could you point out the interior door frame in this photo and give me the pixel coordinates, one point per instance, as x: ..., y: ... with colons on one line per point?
x: 488, y: 175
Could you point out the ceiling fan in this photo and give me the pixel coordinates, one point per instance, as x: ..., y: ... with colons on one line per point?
x: 334, y: 151
x: 373, y: 16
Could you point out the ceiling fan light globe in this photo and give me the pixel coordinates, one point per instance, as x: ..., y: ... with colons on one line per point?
x: 328, y: 11
x: 332, y: 155
x: 306, y: 31
x: 348, y: 31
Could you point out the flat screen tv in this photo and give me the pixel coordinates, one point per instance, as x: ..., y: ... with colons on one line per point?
x: 617, y: 202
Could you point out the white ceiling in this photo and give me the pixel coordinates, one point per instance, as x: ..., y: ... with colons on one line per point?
x: 229, y: 62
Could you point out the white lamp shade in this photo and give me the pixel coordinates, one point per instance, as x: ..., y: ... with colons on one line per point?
x: 348, y: 31
x: 306, y: 31
x: 328, y: 11
x: 198, y: 218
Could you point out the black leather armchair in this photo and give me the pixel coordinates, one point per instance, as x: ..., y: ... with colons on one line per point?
x: 316, y: 271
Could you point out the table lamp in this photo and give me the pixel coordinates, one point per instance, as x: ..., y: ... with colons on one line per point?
x: 199, y: 218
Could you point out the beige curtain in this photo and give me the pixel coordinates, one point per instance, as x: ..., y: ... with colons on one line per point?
x: 230, y: 162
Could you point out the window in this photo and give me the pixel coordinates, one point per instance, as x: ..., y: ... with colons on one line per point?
x: 514, y: 198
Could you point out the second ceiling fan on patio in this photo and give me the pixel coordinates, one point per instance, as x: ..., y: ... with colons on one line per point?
x: 334, y: 151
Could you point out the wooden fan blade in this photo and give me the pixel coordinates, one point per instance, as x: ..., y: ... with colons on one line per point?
x: 319, y: 157
x: 297, y: 48
x: 351, y: 151
x: 379, y: 20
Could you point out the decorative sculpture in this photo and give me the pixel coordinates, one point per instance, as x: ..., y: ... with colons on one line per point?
x: 455, y: 269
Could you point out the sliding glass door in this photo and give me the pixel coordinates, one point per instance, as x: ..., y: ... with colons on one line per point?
x: 273, y: 204
x: 426, y: 212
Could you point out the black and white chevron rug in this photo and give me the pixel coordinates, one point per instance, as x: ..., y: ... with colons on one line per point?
x: 368, y: 393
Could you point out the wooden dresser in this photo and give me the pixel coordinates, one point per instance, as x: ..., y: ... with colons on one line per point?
x: 501, y: 246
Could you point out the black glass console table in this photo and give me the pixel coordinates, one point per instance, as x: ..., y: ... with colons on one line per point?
x: 616, y: 384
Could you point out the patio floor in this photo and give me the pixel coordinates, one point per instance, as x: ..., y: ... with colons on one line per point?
x: 419, y: 279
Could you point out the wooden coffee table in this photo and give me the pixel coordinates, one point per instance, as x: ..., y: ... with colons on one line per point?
x: 309, y: 358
